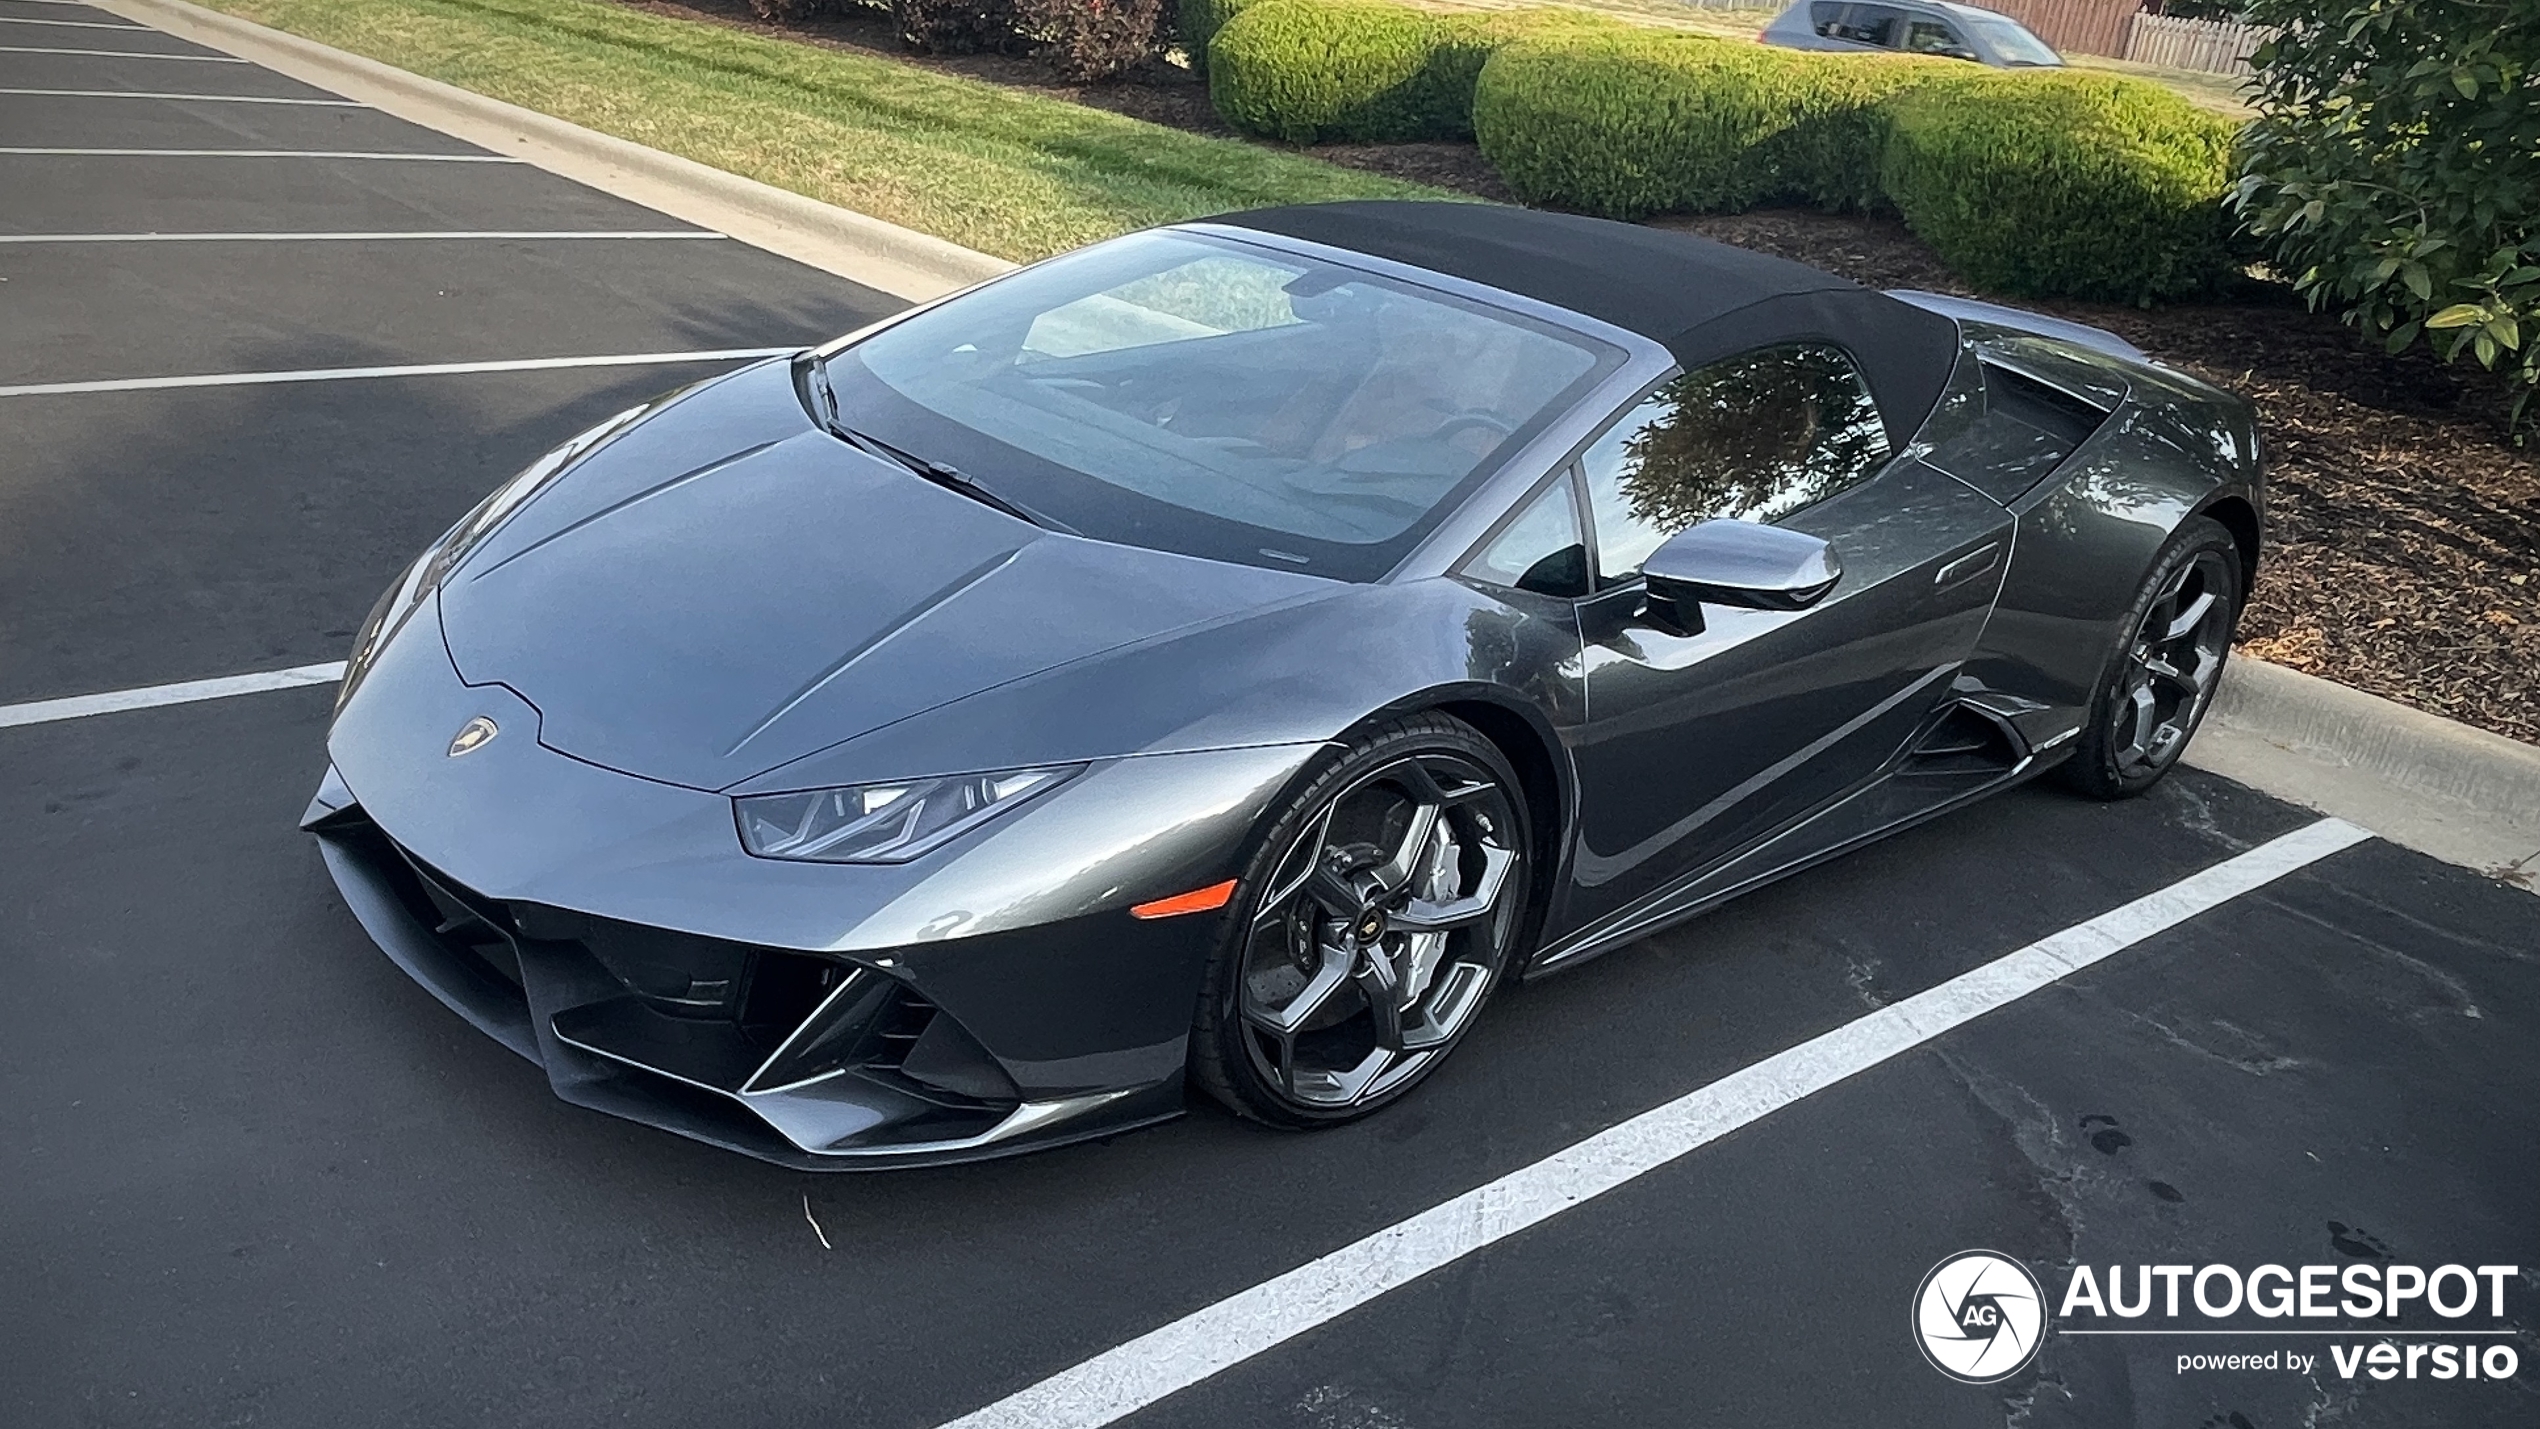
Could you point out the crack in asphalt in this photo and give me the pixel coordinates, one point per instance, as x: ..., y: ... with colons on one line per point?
x: 2453, y: 987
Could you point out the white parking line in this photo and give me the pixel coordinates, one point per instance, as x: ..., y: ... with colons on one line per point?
x: 635, y: 233
x: 119, y: 54
x: 81, y: 706
x: 420, y: 369
x: 154, y: 94
x: 1122, y: 1381
x: 71, y: 24
x: 267, y: 154
x: 67, y: 24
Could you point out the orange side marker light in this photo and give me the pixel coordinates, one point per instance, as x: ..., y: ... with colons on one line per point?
x: 1198, y: 900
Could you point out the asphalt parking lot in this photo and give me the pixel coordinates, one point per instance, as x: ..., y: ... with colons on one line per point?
x: 251, y: 1174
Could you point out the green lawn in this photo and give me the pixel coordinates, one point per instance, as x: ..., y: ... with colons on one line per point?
x: 1007, y: 173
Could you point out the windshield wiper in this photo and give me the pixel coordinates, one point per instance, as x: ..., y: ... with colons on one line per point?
x: 943, y: 474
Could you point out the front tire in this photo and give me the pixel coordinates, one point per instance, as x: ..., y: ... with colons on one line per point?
x: 1375, y: 918
x: 2160, y: 680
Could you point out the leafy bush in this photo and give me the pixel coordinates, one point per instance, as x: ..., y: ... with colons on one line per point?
x: 2394, y: 170
x: 1200, y: 20
x: 1308, y: 70
x: 1090, y: 39
x: 2063, y: 183
x: 953, y: 27
x: 1631, y: 122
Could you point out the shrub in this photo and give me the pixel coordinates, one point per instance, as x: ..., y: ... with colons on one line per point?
x: 1308, y: 70
x: 1090, y: 39
x: 2394, y: 170
x: 1633, y: 122
x: 953, y: 27
x: 2063, y: 183
x: 1200, y: 20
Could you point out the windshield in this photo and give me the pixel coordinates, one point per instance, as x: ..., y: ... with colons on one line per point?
x: 1218, y: 399
x: 2011, y: 41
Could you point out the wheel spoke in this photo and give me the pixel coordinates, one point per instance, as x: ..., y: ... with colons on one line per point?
x: 1330, y: 973
x: 2162, y: 670
x: 2184, y: 623
x: 2142, y: 713
x: 1424, y: 916
x: 1395, y: 872
x: 1381, y: 981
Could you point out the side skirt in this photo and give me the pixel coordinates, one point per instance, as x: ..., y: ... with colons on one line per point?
x: 1891, y: 802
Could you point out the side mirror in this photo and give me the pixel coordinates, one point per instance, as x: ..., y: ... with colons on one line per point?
x: 1739, y: 563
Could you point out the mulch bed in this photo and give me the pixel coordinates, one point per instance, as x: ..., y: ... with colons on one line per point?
x: 2404, y: 529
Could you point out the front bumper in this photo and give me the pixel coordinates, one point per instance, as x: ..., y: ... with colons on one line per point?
x: 811, y: 1061
x: 990, y: 997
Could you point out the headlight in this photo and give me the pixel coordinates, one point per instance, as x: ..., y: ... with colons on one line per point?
x: 885, y: 823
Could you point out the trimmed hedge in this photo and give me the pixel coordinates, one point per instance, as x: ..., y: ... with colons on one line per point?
x: 1200, y: 20
x: 1362, y: 70
x: 1636, y: 122
x: 2064, y: 184
x: 2038, y: 182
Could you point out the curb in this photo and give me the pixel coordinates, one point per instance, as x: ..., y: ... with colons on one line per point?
x: 900, y: 261
x: 2435, y: 785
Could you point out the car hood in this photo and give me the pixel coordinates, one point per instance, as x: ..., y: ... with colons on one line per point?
x: 725, y: 588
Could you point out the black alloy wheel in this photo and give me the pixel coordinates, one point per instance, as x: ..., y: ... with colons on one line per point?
x: 2161, y: 681
x: 1370, y: 928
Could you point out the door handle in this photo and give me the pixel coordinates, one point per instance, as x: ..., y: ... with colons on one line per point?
x: 1973, y: 563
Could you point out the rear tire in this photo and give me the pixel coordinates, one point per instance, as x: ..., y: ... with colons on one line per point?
x: 1373, y: 922
x: 2160, y: 679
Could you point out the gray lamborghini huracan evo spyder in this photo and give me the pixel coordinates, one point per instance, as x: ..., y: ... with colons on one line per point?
x: 1222, y: 655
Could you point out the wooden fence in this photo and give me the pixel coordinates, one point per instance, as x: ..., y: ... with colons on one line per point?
x: 2214, y: 46
x: 2089, y: 27
x: 2112, y: 27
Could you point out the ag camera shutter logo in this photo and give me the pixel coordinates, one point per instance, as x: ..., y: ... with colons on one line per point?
x: 1979, y: 1316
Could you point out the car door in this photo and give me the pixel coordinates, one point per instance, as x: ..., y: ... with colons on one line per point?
x: 1696, y: 745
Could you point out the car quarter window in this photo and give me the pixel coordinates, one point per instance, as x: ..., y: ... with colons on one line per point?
x: 1861, y: 24
x: 1541, y: 550
x: 1754, y: 437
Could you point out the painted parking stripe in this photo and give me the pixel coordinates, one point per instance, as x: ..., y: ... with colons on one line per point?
x: 420, y: 369
x: 185, y: 693
x: 265, y: 154
x: 191, y: 98
x: 68, y: 24
x: 119, y: 54
x: 503, y: 234
x: 1122, y: 1381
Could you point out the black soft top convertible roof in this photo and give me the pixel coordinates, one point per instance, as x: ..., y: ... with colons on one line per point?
x: 1702, y: 300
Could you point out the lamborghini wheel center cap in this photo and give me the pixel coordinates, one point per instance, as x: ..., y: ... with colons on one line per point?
x: 1371, y: 925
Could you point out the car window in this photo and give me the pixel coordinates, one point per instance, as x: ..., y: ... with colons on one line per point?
x: 1542, y: 550
x: 1932, y: 37
x: 1861, y: 24
x: 1220, y: 399
x: 1210, y: 297
x: 2012, y: 41
x: 1755, y: 438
